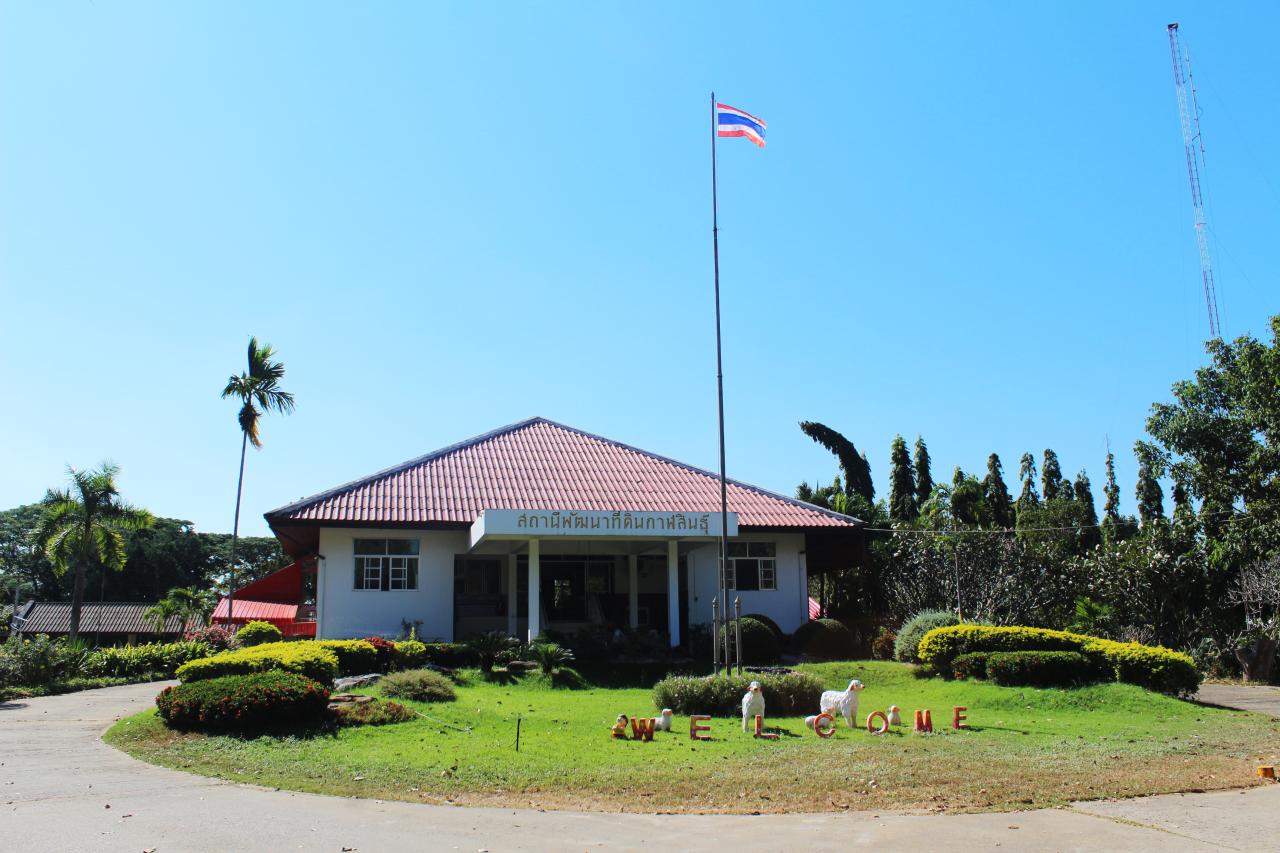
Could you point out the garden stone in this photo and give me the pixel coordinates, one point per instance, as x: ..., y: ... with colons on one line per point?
x: 357, y: 681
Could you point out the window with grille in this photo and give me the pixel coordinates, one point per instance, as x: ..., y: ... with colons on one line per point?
x: 752, y: 566
x: 386, y: 564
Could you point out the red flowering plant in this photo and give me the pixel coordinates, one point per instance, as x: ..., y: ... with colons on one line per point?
x: 246, y: 704
x: 386, y: 653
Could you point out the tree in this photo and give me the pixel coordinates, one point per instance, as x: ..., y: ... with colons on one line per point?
x: 1150, y: 495
x: 902, y: 484
x: 258, y: 390
x: 1027, y: 473
x: 1112, y: 508
x: 996, y: 493
x: 23, y: 563
x: 1051, y: 476
x: 192, y: 606
x: 924, y: 477
x: 1220, y: 437
x: 1257, y: 592
x: 854, y: 465
x: 1083, y: 491
x: 83, y: 526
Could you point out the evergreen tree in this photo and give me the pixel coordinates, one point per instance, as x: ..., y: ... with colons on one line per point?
x: 1083, y: 493
x: 1150, y: 495
x: 1111, y: 490
x: 1051, y: 476
x: 996, y: 493
x: 957, y: 477
x: 902, y: 484
x: 924, y: 478
x: 1027, y: 473
x: 854, y: 465
x: 1182, y: 509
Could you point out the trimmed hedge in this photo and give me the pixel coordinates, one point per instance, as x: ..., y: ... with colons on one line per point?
x: 759, y: 643
x: 142, y: 661
x: 1153, y: 667
x: 355, y: 657
x: 971, y: 665
x: 384, y: 653
x: 906, y: 646
x: 1043, y: 669
x: 256, y: 633
x: 825, y: 639
x: 304, y: 658
x: 792, y: 693
x: 450, y: 655
x: 420, y: 685
x: 264, y: 701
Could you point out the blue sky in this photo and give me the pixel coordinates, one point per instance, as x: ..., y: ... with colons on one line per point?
x: 971, y: 222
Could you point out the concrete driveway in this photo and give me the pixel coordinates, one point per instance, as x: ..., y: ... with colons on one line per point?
x: 62, y: 789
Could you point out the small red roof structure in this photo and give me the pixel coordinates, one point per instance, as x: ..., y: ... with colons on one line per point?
x: 276, y: 599
x: 538, y: 464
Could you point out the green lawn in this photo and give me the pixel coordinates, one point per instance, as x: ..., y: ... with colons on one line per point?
x: 1027, y: 748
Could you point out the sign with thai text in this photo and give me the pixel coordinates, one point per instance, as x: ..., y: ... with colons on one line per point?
x: 544, y: 524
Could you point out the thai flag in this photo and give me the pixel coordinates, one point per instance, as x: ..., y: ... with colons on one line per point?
x: 731, y: 121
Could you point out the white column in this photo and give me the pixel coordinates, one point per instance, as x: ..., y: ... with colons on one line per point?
x: 513, y: 597
x: 673, y: 591
x: 633, y: 591
x: 535, y: 588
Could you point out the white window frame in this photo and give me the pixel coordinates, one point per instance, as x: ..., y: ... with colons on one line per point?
x: 396, y: 568
x: 765, y: 566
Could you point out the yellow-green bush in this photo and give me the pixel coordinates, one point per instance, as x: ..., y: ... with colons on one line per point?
x: 257, y: 633
x: 1153, y: 667
x: 305, y: 658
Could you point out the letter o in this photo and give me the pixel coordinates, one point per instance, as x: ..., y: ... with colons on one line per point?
x: 884, y: 723
x: 824, y: 725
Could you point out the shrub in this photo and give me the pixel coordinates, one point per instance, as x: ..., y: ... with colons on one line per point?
x: 257, y: 633
x: 906, y: 646
x: 1043, y: 669
x: 41, y: 660
x: 420, y: 685
x: 768, y: 623
x: 791, y: 693
x: 971, y: 665
x: 384, y: 653
x: 1153, y: 667
x: 882, y: 647
x: 217, y: 637
x: 410, y: 654
x: 825, y: 639
x: 490, y: 646
x: 450, y: 655
x: 264, y: 701
x: 759, y: 643
x: 550, y: 657
x: 142, y: 661
x: 355, y: 657
x: 304, y: 658
x: 375, y: 713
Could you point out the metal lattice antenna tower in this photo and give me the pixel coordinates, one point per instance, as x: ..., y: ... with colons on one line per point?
x: 1190, y: 115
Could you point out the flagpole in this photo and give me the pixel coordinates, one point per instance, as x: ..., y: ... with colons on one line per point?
x: 724, y: 500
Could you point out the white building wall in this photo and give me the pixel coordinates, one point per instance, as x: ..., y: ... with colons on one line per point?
x: 788, y: 605
x: 344, y: 611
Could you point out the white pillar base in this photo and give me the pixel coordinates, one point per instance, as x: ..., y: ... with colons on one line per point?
x: 673, y: 592
x: 535, y: 592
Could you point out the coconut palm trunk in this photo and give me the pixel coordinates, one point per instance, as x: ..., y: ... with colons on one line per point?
x: 235, y: 531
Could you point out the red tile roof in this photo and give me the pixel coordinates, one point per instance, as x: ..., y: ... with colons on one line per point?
x: 540, y: 464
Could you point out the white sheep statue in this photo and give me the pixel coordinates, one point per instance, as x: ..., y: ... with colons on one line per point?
x: 844, y: 703
x: 663, y: 723
x: 752, y: 704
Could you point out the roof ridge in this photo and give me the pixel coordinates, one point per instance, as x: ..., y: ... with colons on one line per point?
x: 524, y: 424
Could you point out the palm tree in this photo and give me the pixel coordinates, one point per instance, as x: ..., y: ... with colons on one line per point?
x: 83, y: 525
x: 192, y: 606
x: 258, y: 390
